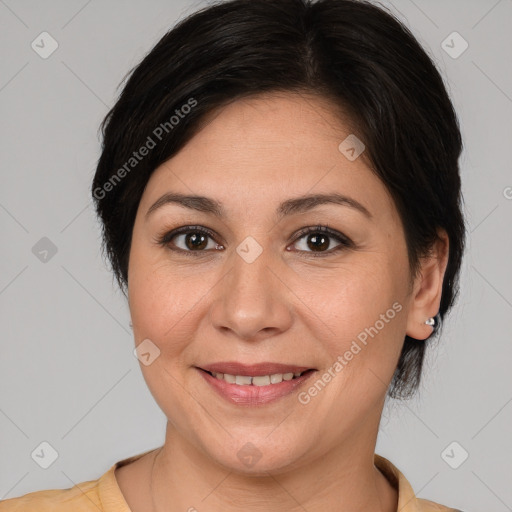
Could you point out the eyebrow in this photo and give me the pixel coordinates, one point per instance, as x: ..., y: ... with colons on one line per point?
x: 289, y: 207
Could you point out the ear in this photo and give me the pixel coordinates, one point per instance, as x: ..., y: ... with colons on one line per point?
x: 427, y: 289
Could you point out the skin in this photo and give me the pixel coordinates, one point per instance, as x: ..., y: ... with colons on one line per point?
x: 252, y: 155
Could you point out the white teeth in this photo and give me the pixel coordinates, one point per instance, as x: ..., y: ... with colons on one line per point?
x: 263, y: 380
x: 242, y: 380
x: 228, y: 378
x: 276, y: 378
x: 260, y: 380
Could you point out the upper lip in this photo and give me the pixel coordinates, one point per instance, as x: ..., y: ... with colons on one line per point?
x: 253, y: 370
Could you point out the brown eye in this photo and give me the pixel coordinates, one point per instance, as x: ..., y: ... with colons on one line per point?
x: 318, y: 240
x: 193, y: 240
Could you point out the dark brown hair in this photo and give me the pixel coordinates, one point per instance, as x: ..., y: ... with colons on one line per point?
x: 351, y: 52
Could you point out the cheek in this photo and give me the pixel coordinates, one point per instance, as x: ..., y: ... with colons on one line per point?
x: 362, y: 306
x: 163, y: 308
x: 164, y: 303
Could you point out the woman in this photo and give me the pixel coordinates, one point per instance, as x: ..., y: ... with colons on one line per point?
x: 280, y: 199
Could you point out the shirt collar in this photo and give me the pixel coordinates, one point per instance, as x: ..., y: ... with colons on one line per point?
x: 407, y: 501
x: 113, y: 500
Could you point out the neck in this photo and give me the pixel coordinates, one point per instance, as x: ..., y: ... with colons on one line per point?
x: 345, y: 479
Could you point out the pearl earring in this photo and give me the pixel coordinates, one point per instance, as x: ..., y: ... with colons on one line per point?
x: 435, y: 321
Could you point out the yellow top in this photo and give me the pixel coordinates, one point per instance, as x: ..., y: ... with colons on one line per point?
x: 105, y: 495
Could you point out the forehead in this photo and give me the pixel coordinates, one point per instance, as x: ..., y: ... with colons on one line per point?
x: 276, y: 118
x: 266, y: 149
x: 287, y: 131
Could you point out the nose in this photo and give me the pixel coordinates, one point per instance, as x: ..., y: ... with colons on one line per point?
x: 253, y: 301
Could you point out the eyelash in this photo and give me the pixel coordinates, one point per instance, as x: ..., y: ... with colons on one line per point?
x: 345, y: 243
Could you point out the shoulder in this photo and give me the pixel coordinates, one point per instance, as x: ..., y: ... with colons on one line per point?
x: 100, y: 495
x: 430, y: 506
x: 82, y: 497
x: 407, y: 500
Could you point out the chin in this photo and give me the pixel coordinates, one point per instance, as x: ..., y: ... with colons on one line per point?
x: 255, y: 458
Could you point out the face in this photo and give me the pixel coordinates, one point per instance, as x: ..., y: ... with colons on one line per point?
x: 249, y: 285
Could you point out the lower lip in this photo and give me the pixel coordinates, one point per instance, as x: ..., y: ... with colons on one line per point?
x: 254, y: 395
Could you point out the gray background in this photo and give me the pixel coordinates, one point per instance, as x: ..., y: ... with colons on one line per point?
x: 67, y: 372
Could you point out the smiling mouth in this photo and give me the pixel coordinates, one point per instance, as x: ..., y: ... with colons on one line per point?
x: 257, y: 380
